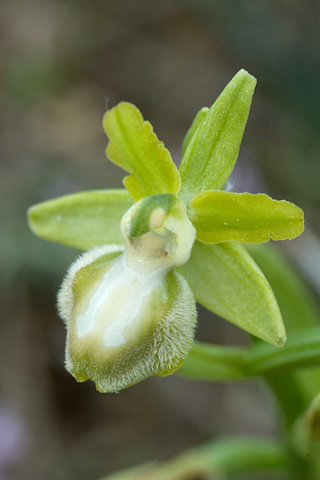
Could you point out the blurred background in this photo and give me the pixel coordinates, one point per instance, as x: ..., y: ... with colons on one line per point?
x: 62, y: 63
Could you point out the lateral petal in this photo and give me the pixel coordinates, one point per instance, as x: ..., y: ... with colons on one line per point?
x: 135, y: 147
x: 220, y: 216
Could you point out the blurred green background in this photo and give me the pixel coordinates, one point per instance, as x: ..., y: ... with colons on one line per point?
x: 62, y: 63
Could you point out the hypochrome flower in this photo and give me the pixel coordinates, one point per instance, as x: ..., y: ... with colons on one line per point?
x: 169, y: 238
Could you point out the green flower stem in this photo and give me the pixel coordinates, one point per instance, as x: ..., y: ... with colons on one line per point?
x: 221, y: 460
x: 293, y: 390
x: 301, y: 350
x: 215, y: 363
x: 291, y: 397
x: 236, y: 456
x: 219, y: 363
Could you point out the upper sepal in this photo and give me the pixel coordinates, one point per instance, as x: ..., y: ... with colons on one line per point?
x: 216, y: 137
x: 135, y: 148
x: 193, y: 128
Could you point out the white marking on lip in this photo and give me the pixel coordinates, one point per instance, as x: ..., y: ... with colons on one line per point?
x: 117, y: 302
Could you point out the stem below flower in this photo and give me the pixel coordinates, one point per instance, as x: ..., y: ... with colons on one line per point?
x: 220, y: 363
x: 219, y: 460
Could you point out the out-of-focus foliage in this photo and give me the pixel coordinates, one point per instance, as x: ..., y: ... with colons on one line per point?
x: 61, y: 63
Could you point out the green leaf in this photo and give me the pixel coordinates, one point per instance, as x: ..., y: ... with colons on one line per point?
x: 135, y: 148
x: 302, y: 350
x: 226, y: 280
x: 297, y: 304
x: 220, y: 216
x: 81, y: 220
x: 223, y: 363
x: 215, y: 362
x: 194, y: 127
x: 232, y: 457
x: 213, y: 150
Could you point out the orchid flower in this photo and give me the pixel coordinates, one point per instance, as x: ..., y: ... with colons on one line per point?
x: 170, y: 238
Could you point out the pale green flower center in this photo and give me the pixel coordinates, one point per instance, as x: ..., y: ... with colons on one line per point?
x: 168, y: 243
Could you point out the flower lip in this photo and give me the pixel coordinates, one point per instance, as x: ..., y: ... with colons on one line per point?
x: 125, y: 323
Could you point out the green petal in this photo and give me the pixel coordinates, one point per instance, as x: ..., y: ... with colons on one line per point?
x: 135, y: 148
x: 219, y: 216
x: 194, y: 127
x: 213, y: 149
x: 81, y: 220
x: 226, y: 280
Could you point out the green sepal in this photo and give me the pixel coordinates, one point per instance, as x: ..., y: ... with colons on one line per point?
x: 213, y: 149
x: 226, y: 280
x: 194, y: 127
x: 81, y: 220
x: 134, y: 147
x: 233, y: 457
x: 220, y: 216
